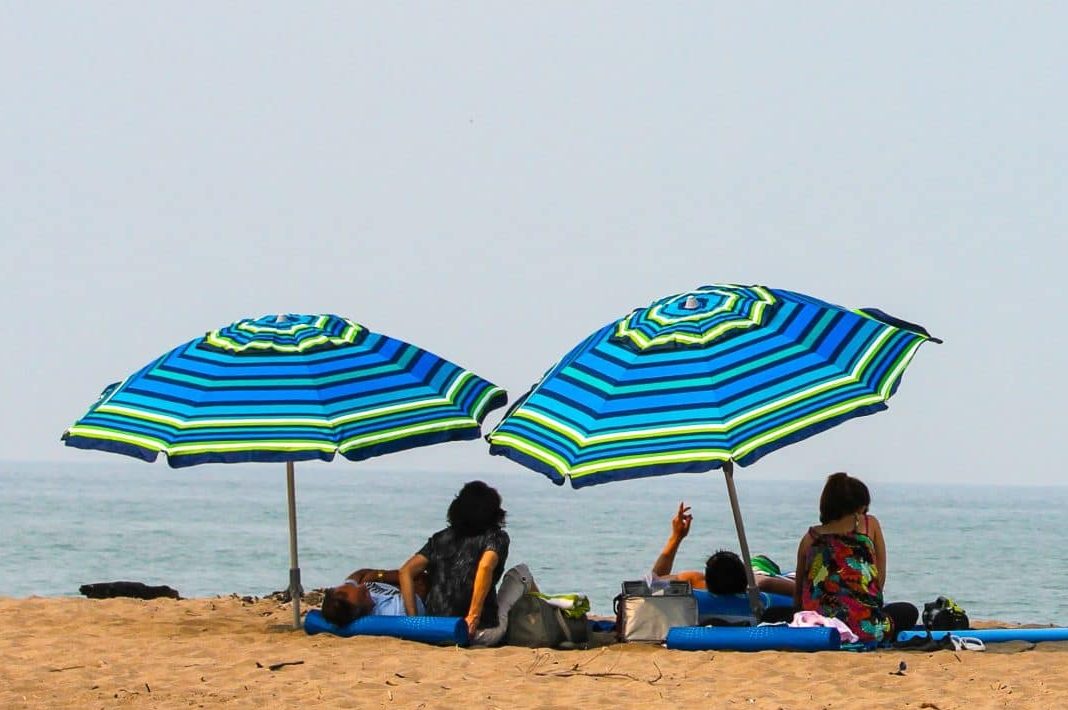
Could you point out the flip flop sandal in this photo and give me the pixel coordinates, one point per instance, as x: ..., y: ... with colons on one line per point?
x: 967, y: 643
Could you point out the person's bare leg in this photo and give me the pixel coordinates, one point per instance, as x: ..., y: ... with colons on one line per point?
x: 775, y: 585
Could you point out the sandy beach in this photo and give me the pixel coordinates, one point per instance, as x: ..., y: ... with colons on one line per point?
x: 72, y: 652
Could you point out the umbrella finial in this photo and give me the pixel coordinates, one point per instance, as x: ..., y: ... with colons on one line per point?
x: 691, y: 304
x: 280, y: 318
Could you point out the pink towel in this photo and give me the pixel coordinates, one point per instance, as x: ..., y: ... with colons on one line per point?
x: 811, y: 618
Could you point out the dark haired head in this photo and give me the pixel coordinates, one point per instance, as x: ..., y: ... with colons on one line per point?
x: 338, y: 610
x: 725, y: 573
x: 842, y: 495
x: 476, y: 509
x: 343, y: 605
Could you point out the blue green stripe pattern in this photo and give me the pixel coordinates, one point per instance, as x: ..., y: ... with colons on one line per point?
x: 287, y: 388
x: 720, y: 373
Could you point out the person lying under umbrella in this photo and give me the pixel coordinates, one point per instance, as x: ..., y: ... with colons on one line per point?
x: 370, y: 592
x: 724, y: 571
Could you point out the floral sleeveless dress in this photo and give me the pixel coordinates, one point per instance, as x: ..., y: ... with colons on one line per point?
x: 842, y: 583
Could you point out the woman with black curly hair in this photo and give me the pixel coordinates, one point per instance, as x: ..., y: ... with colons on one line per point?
x: 464, y: 562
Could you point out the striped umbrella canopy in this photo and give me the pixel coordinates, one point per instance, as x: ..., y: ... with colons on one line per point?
x: 705, y: 379
x: 287, y: 388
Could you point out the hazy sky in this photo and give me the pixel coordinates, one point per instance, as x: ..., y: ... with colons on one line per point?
x: 495, y: 180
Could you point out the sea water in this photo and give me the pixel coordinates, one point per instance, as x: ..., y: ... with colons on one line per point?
x: 212, y: 530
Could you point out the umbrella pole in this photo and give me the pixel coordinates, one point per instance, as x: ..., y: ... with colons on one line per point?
x: 294, y: 566
x: 751, y: 588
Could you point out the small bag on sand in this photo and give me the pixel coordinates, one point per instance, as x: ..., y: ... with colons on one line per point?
x: 944, y: 614
x: 645, y: 614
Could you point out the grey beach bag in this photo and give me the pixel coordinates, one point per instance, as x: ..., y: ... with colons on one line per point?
x: 535, y: 623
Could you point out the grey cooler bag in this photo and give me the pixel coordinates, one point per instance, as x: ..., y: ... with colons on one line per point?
x: 646, y: 614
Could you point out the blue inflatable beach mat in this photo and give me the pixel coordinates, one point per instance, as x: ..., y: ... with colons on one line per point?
x: 993, y: 635
x: 735, y: 605
x: 442, y: 630
x: 786, y: 638
x: 753, y: 638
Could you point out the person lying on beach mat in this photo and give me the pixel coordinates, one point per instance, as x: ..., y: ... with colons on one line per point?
x: 371, y: 592
x: 724, y: 571
x: 376, y: 592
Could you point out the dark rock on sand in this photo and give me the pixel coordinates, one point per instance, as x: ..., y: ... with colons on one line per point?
x: 137, y: 590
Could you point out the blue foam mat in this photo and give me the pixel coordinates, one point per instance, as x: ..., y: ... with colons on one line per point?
x: 994, y: 635
x: 709, y: 604
x: 753, y: 638
x: 428, y: 629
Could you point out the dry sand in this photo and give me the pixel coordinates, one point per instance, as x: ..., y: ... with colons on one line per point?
x: 67, y: 652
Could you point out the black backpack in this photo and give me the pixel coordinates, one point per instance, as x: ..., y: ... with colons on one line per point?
x: 944, y: 614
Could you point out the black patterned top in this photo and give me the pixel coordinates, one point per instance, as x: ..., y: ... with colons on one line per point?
x: 453, y: 563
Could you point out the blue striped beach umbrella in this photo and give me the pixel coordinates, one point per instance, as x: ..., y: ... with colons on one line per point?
x: 287, y: 388
x: 702, y: 380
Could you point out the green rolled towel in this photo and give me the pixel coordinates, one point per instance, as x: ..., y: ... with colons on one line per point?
x: 573, y: 605
x: 764, y: 565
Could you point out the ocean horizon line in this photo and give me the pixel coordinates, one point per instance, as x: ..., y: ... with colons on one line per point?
x: 130, y: 464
